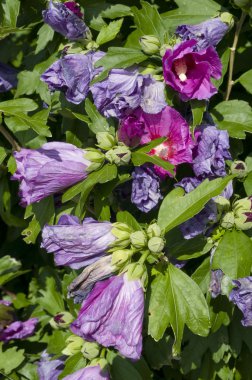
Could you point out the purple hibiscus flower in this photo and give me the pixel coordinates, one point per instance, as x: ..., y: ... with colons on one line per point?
x: 167, y: 123
x: 18, y: 330
x: 189, y: 71
x: 8, y: 77
x: 48, y: 170
x: 119, y: 321
x: 66, y: 19
x: 145, y: 188
x: 49, y: 369
x: 210, y: 152
x: 207, y: 33
x: 77, y: 244
x: 89, y: 373
x: 241, y: 296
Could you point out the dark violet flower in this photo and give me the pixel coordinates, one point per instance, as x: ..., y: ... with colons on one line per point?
x: 167, y: 123
x: 48, y: 170
x: 84, y: 283
x: 71, y: 75
x: 210, y: 153
x: 8, y: 77
x: 19, y: 330
x: 207, y: 33
x: 66, y: 19
x: 145, y: 189
x: 131, y: 130
x: 153, y: 97
x: 112, y: 315
x: 241, y: 296
x: 49, y: 369
x: 89, y: 373
x: 215, y: 282
x: 189, y: 72
x: 77, y: 244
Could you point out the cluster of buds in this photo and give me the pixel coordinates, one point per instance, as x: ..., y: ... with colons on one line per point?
x: 240, y: 216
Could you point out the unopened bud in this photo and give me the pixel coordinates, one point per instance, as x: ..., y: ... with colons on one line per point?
x: 150, y: 44
x: 105, y: 140
x: 121, y: 257
x: 136, y: 271
x: 154, y: 230
x: 61, y: 320
x: 239, y: 168
x: 94, y: 155
x: 156, y: 244
x: 122, y: 233
x: 228, y: 18
x: 228, y: 220
x: 243, y: 213
x: 74, y: 345
x: 90, y: 350
x: 138, y: 239
x: 120, y: 155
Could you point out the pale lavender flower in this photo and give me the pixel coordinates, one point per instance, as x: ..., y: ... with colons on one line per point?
x: 18, y: 330
x: 49, y: 369
x: 8, y: 77
x: 89, y: 373
x: 241, y: 296
x: 77, y: 244
x: 207, y: 33
x: 215, y: 282
x: 112, y: 315
x: 66, y: 19
x: 48, y: 170
x: 145, y: 193
x: 153, y: 96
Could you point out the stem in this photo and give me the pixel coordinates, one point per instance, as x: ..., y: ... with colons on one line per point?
x: 9, y: 138
x: 232, y: 55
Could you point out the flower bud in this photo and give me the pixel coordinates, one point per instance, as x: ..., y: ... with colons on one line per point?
x: 228, y: 220
x: 120, y: 155
x: 90, y: 350
x: 149, y: 44
x: 239, y: 168
x: 74, y: 345
x: 61, y: 320
x: 105, y: 140
x: 243, y: 213
x: 122, y: 232
x: 94, y: 155
x: 136, y: 271
x: 138, y: 239
x: 154, y: 230
x: 228, y: 18
x: 121, y: 257
x: 156, y: 244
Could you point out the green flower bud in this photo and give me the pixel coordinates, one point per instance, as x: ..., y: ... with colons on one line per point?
x: 90, y: 350
x: 149, y: 69
x: 228, y: 18
x: 136, y: 271
x: 228, y: 220
x: 94, y: 155
x: 61, y: 320
x: 239, y: 168
x: 74, y: 345
x: 122, y: 232
x: 121, y: 257
x: 154, y: 230
x: 99, y: 361
x: 138, y: 239
x: 92, y: 45
x: 120, y: 155
x: 156, y: 244
x: 243, y: 213
x: 105, y: 140
x: 150, y: 44
x: 223, y: 205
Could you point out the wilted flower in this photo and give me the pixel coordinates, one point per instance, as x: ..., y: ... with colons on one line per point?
x: 241, y: 296
x: 210, y: 153
x: 239, y: 168
x: 119, y: 321
x: 215, y: 282
x: 145, y: 188
x: 71, y: 75
x: 48, y: 170
x: 8, y: 77
x: 89, y: 373
x: 152, y: 97
x: 189, y: 72
x: 207, y: 33
x: 18, y: 330
x: 77, y: 244
x: 66, y: 19
x: 131, y: 130
x: 49, y: 369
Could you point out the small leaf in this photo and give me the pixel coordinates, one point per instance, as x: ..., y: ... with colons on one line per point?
x: 115, y: 11
x: 198, y: 109
x: 246, y: 81
x: 126, y: 217
x: 139, y: 158
x: 98, y: 122
x: 109, y: 32
x: 45, y: 34
x: 52, y: 300
x: 120, y: 57
x: 10, y: 359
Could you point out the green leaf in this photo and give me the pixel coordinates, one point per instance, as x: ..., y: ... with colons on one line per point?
x: 73, y: 364
x: 115, y: 11
x: 139, y: 158
x: 176, y: 300
x: 120, y: 57
x: 3, y: 154
x: 233, y: 254
x: 122, y: 369
x: 109, y: 32
x: 176, y: 207
x: 81, y: 117
x: 149, y: 22
x: 10, y: 359
x: 126, y: 217
x: 248, y: 184
x: 45, y: 34
x: 202, y: 275
x: 98, y: 122
x: 235, y: 116
x: 18, y: 105
x: 225, y: 62
x: 43, y: 212
x: 198, y: 108
x: 11, y: 11
x: 52, y: 300
x: 246, y: 80
x: 147, y: 147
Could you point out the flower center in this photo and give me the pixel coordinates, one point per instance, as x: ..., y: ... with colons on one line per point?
x: 161, y: 150
x: 180, y: 68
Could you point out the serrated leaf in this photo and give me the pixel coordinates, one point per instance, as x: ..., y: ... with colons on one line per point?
x: 98, y: 122
x: 10, y: 359
x: 176, y: 207
x: 126, y: 217
x: 45, y: 34
x: 177, y: 300
x: 235, y: 116
x: 109, y: 32
x: 115, y: 11
x: 234, y: 254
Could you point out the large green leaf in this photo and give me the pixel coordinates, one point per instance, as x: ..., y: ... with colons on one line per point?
x: 176, y: 300
x: 234, y: 254
x: 235, y: 116
x: 176, y: 208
